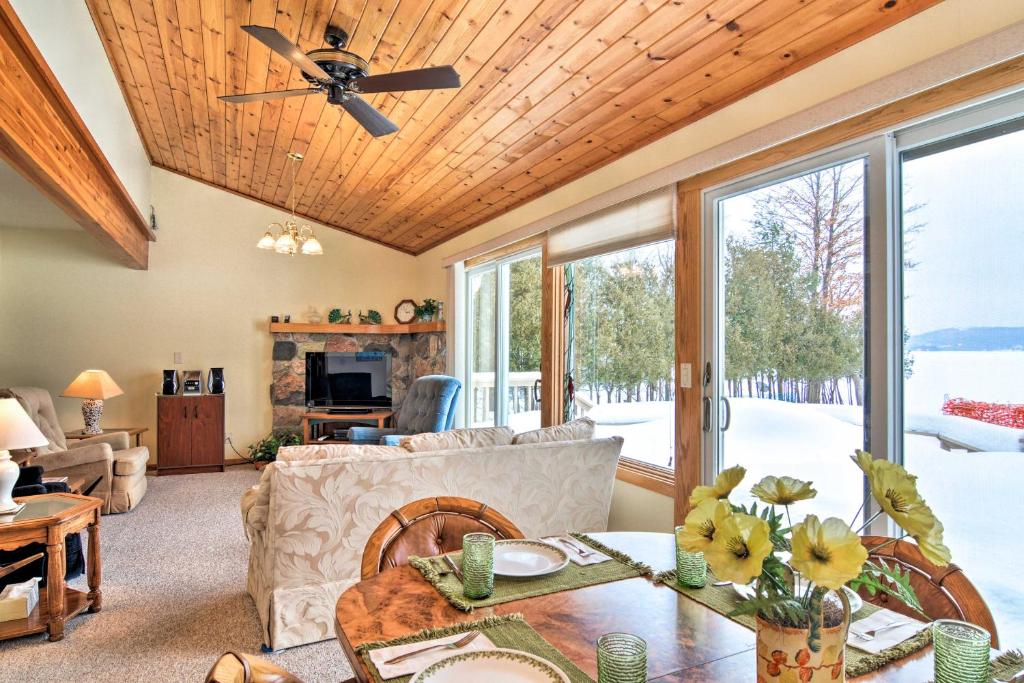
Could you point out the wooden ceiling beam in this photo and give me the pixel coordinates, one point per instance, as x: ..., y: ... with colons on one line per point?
x: 44, y: 139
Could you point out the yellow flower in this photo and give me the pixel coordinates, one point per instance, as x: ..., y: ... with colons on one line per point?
x: 896, y: 491
x: 725, y: 482
x: 739, y: 548
x: 783, y: 490
x: 827, y: 552
x: 699, y: 527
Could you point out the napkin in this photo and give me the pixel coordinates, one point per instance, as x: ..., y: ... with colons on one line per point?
x: 414, y: 664
x: 890, y: 637
x: 565, y: 543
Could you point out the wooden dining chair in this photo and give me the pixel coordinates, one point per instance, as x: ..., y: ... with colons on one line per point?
x: 944, y: 592
x: 429, y: 527
x: 232, y: 667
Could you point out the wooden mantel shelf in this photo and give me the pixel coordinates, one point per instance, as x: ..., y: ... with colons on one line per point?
x: 336, y: 328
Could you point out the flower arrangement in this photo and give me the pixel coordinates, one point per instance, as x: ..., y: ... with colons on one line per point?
x: 743, y: 545
x: 427, y: 310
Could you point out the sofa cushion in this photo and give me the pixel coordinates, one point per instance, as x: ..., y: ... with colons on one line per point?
x: 481, y: 437
x: 131, y: 461
x: 337, y: 450
x: 581, y: 428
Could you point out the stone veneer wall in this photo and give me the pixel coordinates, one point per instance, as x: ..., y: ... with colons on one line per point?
x: 412, y: 356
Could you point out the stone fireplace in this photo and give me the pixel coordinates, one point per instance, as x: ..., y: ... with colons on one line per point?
x: 412, y: 355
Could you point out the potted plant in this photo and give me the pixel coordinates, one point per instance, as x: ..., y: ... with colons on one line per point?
x: 265, y: 450
x: 801, y: 628
x: 427, y: 310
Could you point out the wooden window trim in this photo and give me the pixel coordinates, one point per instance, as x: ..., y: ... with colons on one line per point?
x: 507, y: 250
x: 656, y: 479
x: 689, y: 244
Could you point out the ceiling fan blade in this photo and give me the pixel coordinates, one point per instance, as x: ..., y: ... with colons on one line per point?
x: 432, y: 78
x: 273, y: 39
x: 369, y: 118
x: 262, y: 96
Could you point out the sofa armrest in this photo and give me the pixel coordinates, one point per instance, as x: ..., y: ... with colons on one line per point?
x: 255, y: 504
x: 117, y: 441
x: 83, y: 455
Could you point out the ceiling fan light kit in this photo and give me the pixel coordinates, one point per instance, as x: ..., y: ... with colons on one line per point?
x: 343, y: 76
x: 291, y: 238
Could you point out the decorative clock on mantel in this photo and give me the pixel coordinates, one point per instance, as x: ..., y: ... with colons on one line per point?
x: 405, y: 311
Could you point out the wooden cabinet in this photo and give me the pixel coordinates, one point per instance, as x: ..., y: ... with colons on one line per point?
x: 190, y: 434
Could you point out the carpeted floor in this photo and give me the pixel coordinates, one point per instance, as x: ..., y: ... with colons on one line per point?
x: 173, y: 597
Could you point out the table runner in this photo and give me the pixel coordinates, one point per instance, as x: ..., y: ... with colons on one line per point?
x: 509, y: 631
x: 507, y: 590
x: 724, y: 599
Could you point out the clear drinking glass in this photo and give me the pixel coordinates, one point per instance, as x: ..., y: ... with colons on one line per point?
x: 477, y: 565
x: 691, y: 568
x: 621, y: 658
x: 961, y: 652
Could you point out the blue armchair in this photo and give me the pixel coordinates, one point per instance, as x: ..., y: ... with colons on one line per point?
x: 428, y: 407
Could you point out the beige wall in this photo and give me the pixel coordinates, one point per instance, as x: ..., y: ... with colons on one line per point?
x: 208, y: 293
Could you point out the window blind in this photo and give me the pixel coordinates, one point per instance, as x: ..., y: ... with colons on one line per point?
x: 642, y: 220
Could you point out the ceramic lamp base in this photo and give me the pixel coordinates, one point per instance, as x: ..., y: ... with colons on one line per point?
x: 8, y: 478
x: 92, y: 411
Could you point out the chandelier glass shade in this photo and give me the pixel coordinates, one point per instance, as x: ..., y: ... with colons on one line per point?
x: 289, y: 237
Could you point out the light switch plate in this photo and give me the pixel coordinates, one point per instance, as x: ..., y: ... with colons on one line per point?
x: 177, y: 358
x: 685, y: 375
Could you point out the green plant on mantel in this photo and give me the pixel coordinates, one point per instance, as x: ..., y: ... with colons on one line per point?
x: 265, y: 450
x: 372, y: 317
x: 427, y: 310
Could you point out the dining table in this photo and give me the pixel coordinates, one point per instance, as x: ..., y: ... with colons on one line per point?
x: 686, y: 641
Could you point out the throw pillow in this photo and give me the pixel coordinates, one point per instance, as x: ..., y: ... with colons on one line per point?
x: 581, y: 428
x: 482, y: 437
x: 331, y: 451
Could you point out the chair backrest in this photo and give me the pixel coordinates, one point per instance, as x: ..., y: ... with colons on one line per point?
x: 429, y: 527
x: 39, y: 405
x: 430, y: 405
x: 944, y: 592
x: 232, y: 667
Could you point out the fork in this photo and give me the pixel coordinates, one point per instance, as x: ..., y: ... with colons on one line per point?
x: 870, y: 635
x: 457, y: 645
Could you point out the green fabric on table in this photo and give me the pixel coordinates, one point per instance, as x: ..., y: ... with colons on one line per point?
x: 506, y: 590
x: 724, y: 599
x: 509, y: 631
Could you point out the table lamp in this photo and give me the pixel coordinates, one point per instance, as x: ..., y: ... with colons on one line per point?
x: 17, y: 430
x: 93, y: 386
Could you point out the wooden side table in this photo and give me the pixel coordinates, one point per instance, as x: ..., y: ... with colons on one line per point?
x: 48, y: 519
x: 136, y: 432
x: 311, y: 418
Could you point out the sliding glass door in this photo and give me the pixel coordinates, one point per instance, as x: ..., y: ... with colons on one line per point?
x: 504, y: 342
x: 963, y: 355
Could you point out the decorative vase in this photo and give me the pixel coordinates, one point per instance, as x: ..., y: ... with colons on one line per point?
x: 783, y: 653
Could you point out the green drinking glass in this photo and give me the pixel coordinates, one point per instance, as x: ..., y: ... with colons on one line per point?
x: 961, y: 652
x: 477, y: 565
x: 691, y: 568
x: 621, y: 658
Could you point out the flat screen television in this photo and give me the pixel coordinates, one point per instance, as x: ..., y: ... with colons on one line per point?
x: 360, y: 379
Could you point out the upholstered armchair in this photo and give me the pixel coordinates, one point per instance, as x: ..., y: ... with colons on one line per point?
x: 428, y: 407
x: 118, y: 470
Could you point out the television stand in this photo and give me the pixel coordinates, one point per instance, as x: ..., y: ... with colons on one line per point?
x: 313, y: 420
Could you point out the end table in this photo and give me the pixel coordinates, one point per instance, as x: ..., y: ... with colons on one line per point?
x: 48, y: 519
x: 136, y: 432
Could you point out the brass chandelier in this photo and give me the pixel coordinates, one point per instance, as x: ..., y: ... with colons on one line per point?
x: 289, y: 238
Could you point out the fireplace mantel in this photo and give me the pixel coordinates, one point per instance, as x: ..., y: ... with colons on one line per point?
x: 339, y: 328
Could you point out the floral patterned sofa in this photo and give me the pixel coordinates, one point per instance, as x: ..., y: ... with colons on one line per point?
x: 314, y: 509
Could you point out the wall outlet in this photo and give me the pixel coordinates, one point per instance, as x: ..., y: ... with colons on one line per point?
x: 177, y: 358
x: 685, y: 375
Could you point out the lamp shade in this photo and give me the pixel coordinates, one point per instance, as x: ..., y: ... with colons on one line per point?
x: 17, y: 430
x: 93, y: 384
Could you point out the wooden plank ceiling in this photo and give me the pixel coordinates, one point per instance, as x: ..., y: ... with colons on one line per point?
x: 551, y: 89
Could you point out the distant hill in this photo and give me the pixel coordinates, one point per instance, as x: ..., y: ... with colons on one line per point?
x: 969, y: 339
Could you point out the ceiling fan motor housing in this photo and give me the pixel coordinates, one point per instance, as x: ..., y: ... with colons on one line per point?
x: 343, y: 66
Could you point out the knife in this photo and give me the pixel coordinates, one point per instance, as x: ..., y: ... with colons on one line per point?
x: 455, y: 568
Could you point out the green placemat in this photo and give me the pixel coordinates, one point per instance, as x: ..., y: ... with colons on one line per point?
x: 724, y: 599
x: 573, y: 576
x: 509, y: 631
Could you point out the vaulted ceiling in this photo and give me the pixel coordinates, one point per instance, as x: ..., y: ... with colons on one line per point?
x: 551, y: 89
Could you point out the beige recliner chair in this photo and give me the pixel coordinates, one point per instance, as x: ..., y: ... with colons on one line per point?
x: 120, y: 469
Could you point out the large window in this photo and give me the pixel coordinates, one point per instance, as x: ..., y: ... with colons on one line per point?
x: 504, y: 342
x: 963, y: 359
x: 623, y: 353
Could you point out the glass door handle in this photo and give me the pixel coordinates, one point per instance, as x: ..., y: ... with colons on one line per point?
x: 536, y: 391
x: 706, y: 421
x: 728, y: 414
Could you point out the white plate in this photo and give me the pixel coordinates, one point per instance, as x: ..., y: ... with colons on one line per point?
x: 747, y: 592
x: 524, y: 558
x: 494, y: 666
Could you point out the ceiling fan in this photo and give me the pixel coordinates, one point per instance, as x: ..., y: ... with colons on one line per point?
x: 343, y: 76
